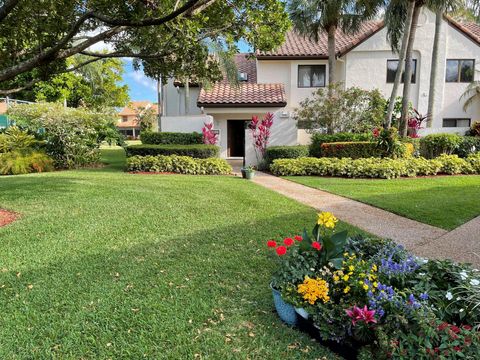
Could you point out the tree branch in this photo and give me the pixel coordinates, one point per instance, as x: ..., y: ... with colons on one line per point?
x: 7, y: 8
x: 20, y: 88
x: 124, y: 54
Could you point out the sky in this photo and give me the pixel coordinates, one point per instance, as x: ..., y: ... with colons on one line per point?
x: 144, y: 88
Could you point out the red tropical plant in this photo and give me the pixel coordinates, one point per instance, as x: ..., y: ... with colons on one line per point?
x: 210, y: 137
x: 260, y: 131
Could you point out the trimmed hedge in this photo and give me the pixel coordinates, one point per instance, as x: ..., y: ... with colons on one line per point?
x: 353, y: 149
x: 171, y: 138
x: 376, y: 168
x: 469, y: 145
x: 285, y: 152
x: 434, y: 145
x: 319, y: 139
x: 178, y: 164
x: 196, y: 151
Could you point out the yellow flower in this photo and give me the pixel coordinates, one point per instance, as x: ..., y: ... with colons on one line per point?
x: 351, y: 268
x: 362, y: 275
x: 374, y: 267
x: 365, y: 287
x: 346, y: 277
x: 375, y: 284
x: 335, y: 278
x: 314, y: 289
x: 327, y: 220
x: 346, y: 290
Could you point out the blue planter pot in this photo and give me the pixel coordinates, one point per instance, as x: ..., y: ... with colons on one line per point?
x: 302, y: 312
x: 285, y: 311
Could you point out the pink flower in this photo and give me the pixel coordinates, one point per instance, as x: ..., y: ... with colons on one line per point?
x: 288, y: 241
x: 281, y: 250
x: 376, y: 132
x: 367, y: 315
x: 271, y: 243
x: 298, y: 238
x: 355, y: 314
x: 358, y: 314
x: 316, y: 245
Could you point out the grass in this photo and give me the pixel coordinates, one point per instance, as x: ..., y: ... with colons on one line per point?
x: 104, y: 264
x: 443, y: 201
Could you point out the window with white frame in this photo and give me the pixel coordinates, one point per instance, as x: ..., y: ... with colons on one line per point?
x: 310, y: 76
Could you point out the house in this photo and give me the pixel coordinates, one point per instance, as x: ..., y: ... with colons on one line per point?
x: 277, y: 81
x: 127, y: 122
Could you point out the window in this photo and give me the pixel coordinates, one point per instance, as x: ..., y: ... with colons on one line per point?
x: 124, y: 118
x: 460, y: 70
x: 392, y: 66
x: 311, y: 76
x: 456, y: 122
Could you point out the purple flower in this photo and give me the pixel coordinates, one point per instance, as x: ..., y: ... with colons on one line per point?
x: 424, y: 296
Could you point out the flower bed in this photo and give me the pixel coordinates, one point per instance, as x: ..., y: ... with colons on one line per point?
x: 377, y: 168
x: 377, y: 298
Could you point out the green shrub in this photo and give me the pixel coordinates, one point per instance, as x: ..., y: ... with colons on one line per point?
x: 16, y: 163
x: 384, y: 168
x: 452, y: 165
x: 196, y: 151
x: 469, y: 145
x: 178, y: 164
x: 72, y: 136
x: 474, y: 161
x: 434, y: 145
x: 173, y: 138
x: 319, y: 139
x: 354, y: 149
x: 285, y: 152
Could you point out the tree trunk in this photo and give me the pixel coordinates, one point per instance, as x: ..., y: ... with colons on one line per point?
x: 160, y: 102
x: 408, y: 73
x: 187, y: 96
x: 434, y: 68
x: 401, y: 63
x: 332, y: 56
x: 332, y: 62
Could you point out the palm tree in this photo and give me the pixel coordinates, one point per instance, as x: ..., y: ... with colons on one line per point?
x: 312, y: 17
x: 472, y: 94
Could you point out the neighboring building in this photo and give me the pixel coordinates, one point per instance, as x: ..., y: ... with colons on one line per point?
x: 279, y: 80
x: 127, y: 123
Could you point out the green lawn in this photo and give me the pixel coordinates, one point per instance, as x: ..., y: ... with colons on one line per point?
x: 443, y: 201
x: 104, y: 264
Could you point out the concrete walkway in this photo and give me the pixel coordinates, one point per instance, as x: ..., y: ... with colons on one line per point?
x: 422, y: 239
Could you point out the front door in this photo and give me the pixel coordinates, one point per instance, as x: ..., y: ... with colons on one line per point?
x: 235, y: 138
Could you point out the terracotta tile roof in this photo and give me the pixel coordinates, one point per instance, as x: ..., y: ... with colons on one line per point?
x: 128, y: 124
x: 469, y: 28
x: 3, y: 107
x: 134, y: 105
x: 248, y: 93
x: 298, y: 46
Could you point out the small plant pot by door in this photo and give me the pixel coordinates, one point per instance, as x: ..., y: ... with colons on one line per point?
x: 248, y: 174
x: 285, y: 311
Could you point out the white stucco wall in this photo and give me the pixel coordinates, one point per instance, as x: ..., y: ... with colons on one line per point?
x: 184, y: 123
x: 175, y: 100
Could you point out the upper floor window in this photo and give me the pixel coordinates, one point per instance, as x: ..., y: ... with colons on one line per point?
x: 456, y: 122
x: 460, y: 70
x: 124, y: 118
x: 392, y: 66
x: 311, y: 76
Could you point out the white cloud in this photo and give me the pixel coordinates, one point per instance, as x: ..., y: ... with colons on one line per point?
x: 141, y: 79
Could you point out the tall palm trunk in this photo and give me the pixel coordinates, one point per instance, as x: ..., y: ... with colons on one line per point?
x: 408, y: 72
x: 332, y: 61
x: 401, y: 63
x: 434, y: 68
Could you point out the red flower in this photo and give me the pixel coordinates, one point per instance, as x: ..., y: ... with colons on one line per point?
x: 442, y: 326
x: 376, y: 132
x: 298, y: 238
x: 271, y: 243
x: 288, y: 241
x: 281, y: 250
x: 455, y: 329
x: 457, y: 348
x: 467, y: 327
x: 317, y: 245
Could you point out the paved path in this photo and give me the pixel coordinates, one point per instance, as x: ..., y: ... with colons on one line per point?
x: 422, y: 239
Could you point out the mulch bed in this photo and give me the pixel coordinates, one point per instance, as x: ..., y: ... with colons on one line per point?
x: 7, y: 217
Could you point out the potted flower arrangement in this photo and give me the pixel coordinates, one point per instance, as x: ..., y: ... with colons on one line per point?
x: 374, y: 299
x: 248, y: 172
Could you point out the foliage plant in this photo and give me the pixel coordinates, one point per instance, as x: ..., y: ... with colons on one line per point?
x: 209, y: 136
x: 388, y: 142
x: 170, y: 138
x: 146, y: 117
x: 352, y: 149
x: 469, y: 145
x: 434, y: 145
x: 200, y: 151
x: 337, y: 110
x: 72, y: 137
x: 178, y: 164
x: 415, y: 124
x: 376, y: 168
x: 260, y: 132
x: 475, y: 129
x: 375, y: 295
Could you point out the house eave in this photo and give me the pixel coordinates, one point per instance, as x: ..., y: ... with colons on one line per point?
x: 242, y: 105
